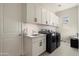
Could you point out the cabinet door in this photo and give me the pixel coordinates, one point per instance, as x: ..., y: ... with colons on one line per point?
x: 30, y: 11
x: 44, y: 16
x: 56, y: 20
x: 12, y: 29
x: 38, y: 15
x: 35, y: 46
x: 51, y: 19
x: 35, y: 49
x: 38, y: 45
x: 48, y: 18
x: 24, y: 13
x: 42, y: 45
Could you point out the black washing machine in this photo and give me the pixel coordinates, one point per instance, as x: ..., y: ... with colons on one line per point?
x: 58, y: 37
x: 52, y: 41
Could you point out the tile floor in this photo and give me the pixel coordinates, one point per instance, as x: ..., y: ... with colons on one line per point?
x: 63, y: 50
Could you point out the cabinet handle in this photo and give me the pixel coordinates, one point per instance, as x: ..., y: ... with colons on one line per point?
x: 52, y: 23
x: 35, y: 20
x: 46, y: 22
x: 41, y: 43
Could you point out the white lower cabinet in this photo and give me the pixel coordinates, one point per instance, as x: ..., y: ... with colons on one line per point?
x: 34, y: 46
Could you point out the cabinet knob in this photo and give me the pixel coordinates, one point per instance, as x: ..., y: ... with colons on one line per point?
x: 46, y: 22
x: 52, y: 23
x: 20, y: 34
x: 35, y: 20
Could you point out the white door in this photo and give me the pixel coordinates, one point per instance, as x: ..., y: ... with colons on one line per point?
x: 78, y: 21
x: 12, y: 29
x: 1, y: 28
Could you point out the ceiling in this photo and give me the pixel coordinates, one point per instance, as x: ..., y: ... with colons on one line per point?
x: 56, y: 7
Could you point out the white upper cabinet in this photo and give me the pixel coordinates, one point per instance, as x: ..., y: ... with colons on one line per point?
x: 51, y: 19
x: 33, y: 13
x: 48, y: 17
x: 44, y: 18
x: 38, y: 14
x: 30, y: 13
x: 56, y: 20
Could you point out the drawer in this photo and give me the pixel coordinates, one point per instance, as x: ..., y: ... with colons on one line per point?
x: 43, y: 47
x: 38, y: 38
x: 34, y: 40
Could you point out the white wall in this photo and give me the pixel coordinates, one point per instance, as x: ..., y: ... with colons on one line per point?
x: 30, y: 28
x: 48, y: 27
x: 70, y: 28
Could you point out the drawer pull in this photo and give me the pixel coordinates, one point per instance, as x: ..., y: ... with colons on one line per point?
x: 41, y: 43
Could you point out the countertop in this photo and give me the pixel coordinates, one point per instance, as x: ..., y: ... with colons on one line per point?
x: 32, y: 36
